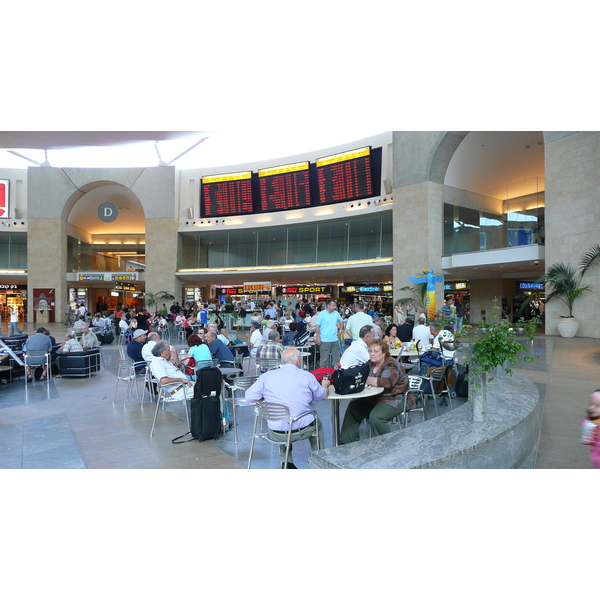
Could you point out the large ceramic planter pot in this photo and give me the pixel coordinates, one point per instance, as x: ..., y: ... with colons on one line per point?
x: 567, y: 327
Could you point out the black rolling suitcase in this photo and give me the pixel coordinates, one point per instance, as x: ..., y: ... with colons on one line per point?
x: 461, y: 387
x: 205, y: 406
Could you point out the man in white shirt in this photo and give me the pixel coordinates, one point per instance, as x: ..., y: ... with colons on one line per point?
x: 357, y: 353
x: 151, y: 341
x: 171, y: 378
x: 271, y: 326
x: 357, y: 320
x: 422, y: 334
x: 255, y: 338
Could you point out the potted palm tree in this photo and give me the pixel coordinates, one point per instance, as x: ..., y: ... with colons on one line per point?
x: 562, y: 281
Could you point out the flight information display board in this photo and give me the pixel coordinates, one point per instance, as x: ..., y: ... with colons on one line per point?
x: 285, y: 187
x: 225, y: 195
x: 346, y: 176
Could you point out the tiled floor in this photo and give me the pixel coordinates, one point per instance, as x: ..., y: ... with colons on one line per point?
x: 71, y: 423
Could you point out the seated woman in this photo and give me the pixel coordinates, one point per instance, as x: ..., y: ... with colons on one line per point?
x: 385, y: 372
x: 391, y: 336
x: 198, y: 351
x: 289, y: 336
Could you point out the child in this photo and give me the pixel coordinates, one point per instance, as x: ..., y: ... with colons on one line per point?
x: 590, y: 429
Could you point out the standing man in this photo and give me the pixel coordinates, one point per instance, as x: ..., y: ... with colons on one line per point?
x: 359, y: 319
x: 295, y: 388
x: 326, y: 334
x: 14, y: 321
x: 68, y: 319
x: 422, y: 334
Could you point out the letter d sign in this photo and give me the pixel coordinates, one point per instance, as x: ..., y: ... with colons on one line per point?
x: 107, y: 212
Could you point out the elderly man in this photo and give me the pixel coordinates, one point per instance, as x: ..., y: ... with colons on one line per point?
x: 88, y: 338
x: 69, y: 345
x: 295, y: 388
x: 356, y: 353
x: 218, y: 349
x: 271, y: 349
x: 271, y: 326
x: 151, y: 340
x: 170, y: 377
x: 37, y: 343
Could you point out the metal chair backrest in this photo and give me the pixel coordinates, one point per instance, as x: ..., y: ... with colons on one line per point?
x: 273, y: 411
x: 415, y: 382
x: 438, y: 374
x: 36, y: 352
x: 269, y: 364
x: 243, y: 383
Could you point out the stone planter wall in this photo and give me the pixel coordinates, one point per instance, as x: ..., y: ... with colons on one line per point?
x: 452, y: 441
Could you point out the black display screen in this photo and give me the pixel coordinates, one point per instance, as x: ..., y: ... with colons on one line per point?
x: 226, y: 195
x: 286, y: 187
x: 346, y: 176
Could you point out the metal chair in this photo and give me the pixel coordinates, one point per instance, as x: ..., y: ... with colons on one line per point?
x: 126, y: 372
x: 417, y: 392
x: 150, y: 383
x: 31, y: 358
x: 268, y: 364
x: 238, y: 384
x: 276, y: 412
x: 165, y: 396
x: 437, y: 378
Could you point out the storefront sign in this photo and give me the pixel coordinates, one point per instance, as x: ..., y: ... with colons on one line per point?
x: 90, y: 277
x: 127, y: 277
x: 530, y: 286
x: 299, y: 290
x: 257, y: 286
x: 12, y: 286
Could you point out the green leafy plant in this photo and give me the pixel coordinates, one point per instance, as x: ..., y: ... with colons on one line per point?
x: 497, y: 347
x: 153, y: 300
x: 563, y: 282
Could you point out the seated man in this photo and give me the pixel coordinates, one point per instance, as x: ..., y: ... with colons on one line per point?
x: 79, y: 323
x: 218, y: 349
x: 88, y: 338
x: 134, y: 350
x: 271, y: 349
x: 170, y: 377
x: 255, y: 338
x: 357, y: 353
x: 69, y: 345
x: 37, y: 343
x: 295, y: 388
x: 151, y: 341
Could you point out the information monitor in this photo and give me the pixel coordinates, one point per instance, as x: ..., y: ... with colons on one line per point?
x: 226, y: 195
x: 345, y: 176
x: 285, y: 187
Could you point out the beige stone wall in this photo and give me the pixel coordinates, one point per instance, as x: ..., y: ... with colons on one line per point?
x: 161, y: 256
x: 47, y: 261
x: 418, y: 240
x: 573, y: 220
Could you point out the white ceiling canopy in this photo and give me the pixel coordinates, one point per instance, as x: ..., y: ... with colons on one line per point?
x: 58, y: 140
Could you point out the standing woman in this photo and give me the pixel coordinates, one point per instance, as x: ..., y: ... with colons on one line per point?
x: 385, y: 372
x: 398, y: 314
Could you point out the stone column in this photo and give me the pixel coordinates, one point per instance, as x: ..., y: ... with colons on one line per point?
x: 161, y: 256
x: 47, y: 262
x: 418, y: 234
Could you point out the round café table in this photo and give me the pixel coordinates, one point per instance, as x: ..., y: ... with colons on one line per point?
x: 335, y: 407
